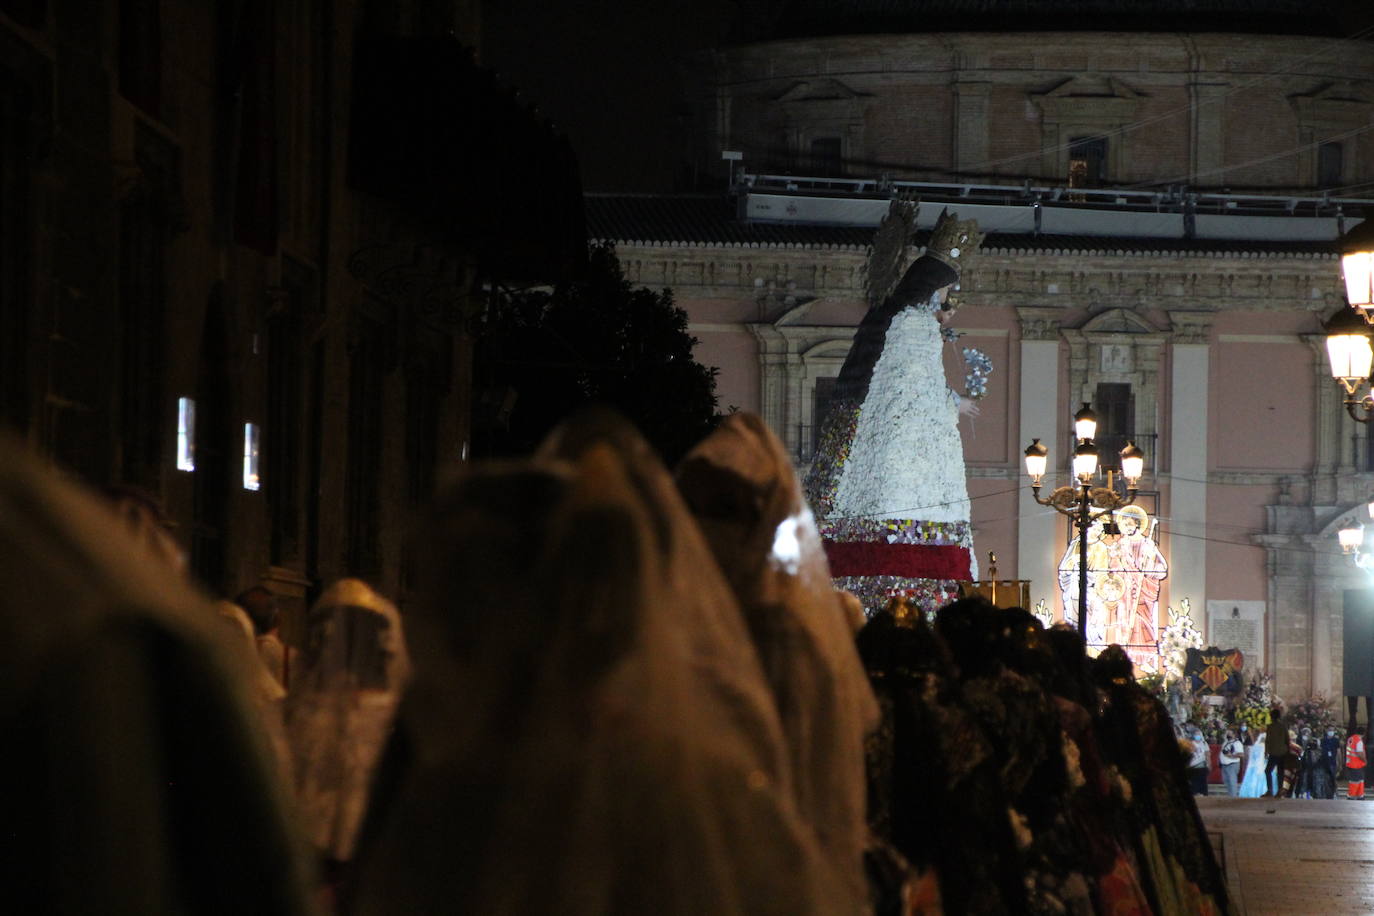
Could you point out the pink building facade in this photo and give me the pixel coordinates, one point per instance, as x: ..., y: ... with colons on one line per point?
x: 1192, y: 319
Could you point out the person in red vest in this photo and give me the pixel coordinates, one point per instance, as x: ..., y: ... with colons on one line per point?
x: 1354, y: 763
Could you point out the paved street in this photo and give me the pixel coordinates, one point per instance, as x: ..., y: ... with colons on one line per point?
x: 1294, y: 856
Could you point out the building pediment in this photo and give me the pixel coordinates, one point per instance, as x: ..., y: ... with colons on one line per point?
x: 1333, y: 103
x: 1091, y: 96
x: 820, y: 90
x: 1092, y: 85
x: 1118, y: 321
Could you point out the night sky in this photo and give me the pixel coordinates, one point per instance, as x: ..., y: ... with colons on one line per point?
x: 605, y: 71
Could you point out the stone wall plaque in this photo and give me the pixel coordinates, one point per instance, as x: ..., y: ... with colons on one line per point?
x: 1238, y: 625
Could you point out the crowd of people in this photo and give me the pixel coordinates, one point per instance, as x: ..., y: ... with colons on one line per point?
x: 1288, y: 762
x: 620, y: 689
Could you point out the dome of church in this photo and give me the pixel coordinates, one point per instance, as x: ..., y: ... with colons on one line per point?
x: 816, y: 18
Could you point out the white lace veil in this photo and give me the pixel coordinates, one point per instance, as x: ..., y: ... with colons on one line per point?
x: 341, y: 708
x: 571, y: 750
x: 740, y: 484
x: 137, y: 780
x: 707, y: 615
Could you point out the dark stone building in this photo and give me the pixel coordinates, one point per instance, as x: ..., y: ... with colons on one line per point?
x: 283, y: 212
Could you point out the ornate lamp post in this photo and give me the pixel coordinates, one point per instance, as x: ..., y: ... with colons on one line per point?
x: 1085, y: 503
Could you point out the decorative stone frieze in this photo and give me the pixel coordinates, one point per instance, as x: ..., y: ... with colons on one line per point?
x: 1191, y: 327
x: 1039, y: 322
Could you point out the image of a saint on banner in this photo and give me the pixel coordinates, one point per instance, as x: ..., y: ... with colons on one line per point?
x: 1125, y: 570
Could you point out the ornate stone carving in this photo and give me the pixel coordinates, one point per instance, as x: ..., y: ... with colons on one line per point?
x: 1192, y: 327
x: 1039, y: 323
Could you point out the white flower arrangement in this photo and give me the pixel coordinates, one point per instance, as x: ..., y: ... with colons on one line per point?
x: 1176, y: 639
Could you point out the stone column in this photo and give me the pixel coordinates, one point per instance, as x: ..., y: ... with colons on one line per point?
x: 1327, y: 612
x: 772, y: 356
x: 1040, y: 416
x: 1329, y: 427
x: 1188, y: 428
x: 1290, y: 565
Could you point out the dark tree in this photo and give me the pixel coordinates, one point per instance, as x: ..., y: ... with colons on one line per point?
x: 594, y: 340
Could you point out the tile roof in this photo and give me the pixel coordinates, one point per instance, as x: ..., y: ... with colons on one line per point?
x: 710, y: 221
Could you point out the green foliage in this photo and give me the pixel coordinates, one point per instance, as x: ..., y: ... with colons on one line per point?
x: 546, y: 353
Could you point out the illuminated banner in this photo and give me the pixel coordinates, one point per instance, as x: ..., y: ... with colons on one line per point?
x: 1124, y: 573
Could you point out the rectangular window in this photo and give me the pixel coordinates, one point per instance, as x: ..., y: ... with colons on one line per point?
x: 1114, y: 405
x: 1330, y: 165
x: 186, y: 434
x: 821, y: 398
x: 251, y: 480
x: 1087, y: 162
x: 826, y: 157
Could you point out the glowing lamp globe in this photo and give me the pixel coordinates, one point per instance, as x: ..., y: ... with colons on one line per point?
x: 1037, y: 455
x: 1357, y: 264
x: 1085, y: 423
x: 1085, y: 461
x: 1351, y: 537
x: 1348, y: 349
x: 1132, y: 463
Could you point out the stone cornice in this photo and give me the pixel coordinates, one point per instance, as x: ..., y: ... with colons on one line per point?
x: 1058, y: 282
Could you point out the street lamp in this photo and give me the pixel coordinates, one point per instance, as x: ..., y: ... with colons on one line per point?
x: 1351, y: 537
x: 1085, y: 503
x: 1347, y: 332
x: 1351, y: 357
x: 1357, y: 264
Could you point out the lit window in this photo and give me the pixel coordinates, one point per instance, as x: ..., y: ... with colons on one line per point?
x: 186, y: 434
x: 251, y: 481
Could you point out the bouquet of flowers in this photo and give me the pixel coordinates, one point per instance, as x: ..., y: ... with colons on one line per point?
x: 1211, y: 719
x: 1259, y: 691
x: 979, y: 368
x: 1178, y: 636
x: 1256, y: 718
x: 1315, y: 713
x: 1255, y: 701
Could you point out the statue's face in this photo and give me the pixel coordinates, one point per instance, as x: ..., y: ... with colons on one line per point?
x: 1129, y: 524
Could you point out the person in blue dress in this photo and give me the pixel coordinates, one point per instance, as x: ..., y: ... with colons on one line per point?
x: 1252, y: 783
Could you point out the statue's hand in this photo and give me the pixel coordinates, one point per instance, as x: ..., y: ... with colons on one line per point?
x: 968, y: 408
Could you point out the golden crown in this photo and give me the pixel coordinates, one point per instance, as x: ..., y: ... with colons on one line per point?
x: 953, y: 239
